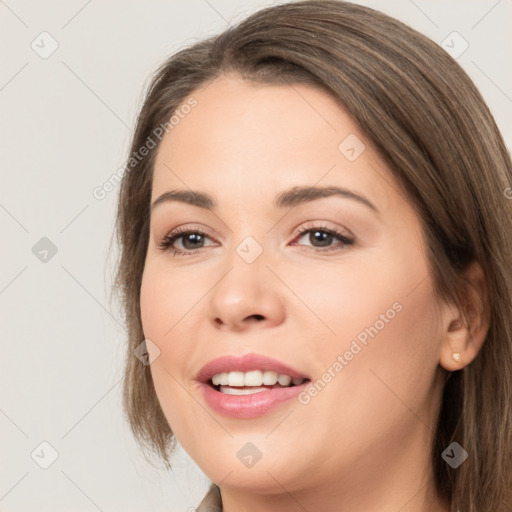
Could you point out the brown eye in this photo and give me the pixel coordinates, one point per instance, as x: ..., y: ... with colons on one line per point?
x: 190, y: 240
x: 320, y: 237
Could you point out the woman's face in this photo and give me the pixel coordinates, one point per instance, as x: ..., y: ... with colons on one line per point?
x: 352, y: 312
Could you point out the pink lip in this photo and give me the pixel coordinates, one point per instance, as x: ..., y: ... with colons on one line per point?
x: 247, y: 406
x: 246, y: 363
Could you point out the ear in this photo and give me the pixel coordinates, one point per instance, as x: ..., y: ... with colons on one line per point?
x: 464, y: 331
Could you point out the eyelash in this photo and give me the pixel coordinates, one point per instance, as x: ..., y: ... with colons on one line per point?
x: 165, y: 245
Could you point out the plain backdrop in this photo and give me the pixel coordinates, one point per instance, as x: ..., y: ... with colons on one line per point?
x: 66, y: 123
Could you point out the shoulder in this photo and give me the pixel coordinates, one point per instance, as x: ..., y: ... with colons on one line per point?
x: 212, y: 501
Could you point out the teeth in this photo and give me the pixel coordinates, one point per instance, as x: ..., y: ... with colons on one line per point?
x: 269, y: 378
x: 235, y: 379
x: 243, y: 391
x: 284, y: 380
x: 254, y: 378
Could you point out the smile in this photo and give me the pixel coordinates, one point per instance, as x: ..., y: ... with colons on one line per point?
x: 249, y: 386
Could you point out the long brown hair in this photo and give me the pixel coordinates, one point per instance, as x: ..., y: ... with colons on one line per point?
x: 430, y: 124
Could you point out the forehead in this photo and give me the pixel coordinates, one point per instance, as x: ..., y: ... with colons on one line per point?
x: 233, y: 116
x: 250, y: 138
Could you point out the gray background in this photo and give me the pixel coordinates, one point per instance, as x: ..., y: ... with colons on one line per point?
x: 65, y: 129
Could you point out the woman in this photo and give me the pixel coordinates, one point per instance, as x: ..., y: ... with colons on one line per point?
x: 315, y: 241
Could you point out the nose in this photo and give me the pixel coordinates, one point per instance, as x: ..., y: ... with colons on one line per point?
x: 248, y: 296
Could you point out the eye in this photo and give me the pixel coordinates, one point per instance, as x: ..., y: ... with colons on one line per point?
x: 192, y: 239
x: 323, y: 237
x: 320, y: 237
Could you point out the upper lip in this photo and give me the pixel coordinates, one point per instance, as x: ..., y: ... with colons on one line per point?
x: 245, y: 363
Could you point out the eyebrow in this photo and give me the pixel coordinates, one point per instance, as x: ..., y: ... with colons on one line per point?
x: 289, y: 198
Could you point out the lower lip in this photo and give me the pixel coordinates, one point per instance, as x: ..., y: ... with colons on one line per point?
x: 249, y: 406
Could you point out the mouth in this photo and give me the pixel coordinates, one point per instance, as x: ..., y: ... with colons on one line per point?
x: 250, y: 385
x: 251, y: 382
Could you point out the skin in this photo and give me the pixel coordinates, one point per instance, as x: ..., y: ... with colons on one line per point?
x: 363, y: 443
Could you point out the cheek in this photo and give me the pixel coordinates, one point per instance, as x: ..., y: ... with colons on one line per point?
x: 172, y: 303
x: 383, y: 324
x: 168, y: 295
x: 165, y: 299
x: 167, y: 304
x: 384, y: 362
x: 381, y: 388
x: 153, y: 303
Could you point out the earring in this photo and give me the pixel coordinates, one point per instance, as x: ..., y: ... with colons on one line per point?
x: 456, y: 357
